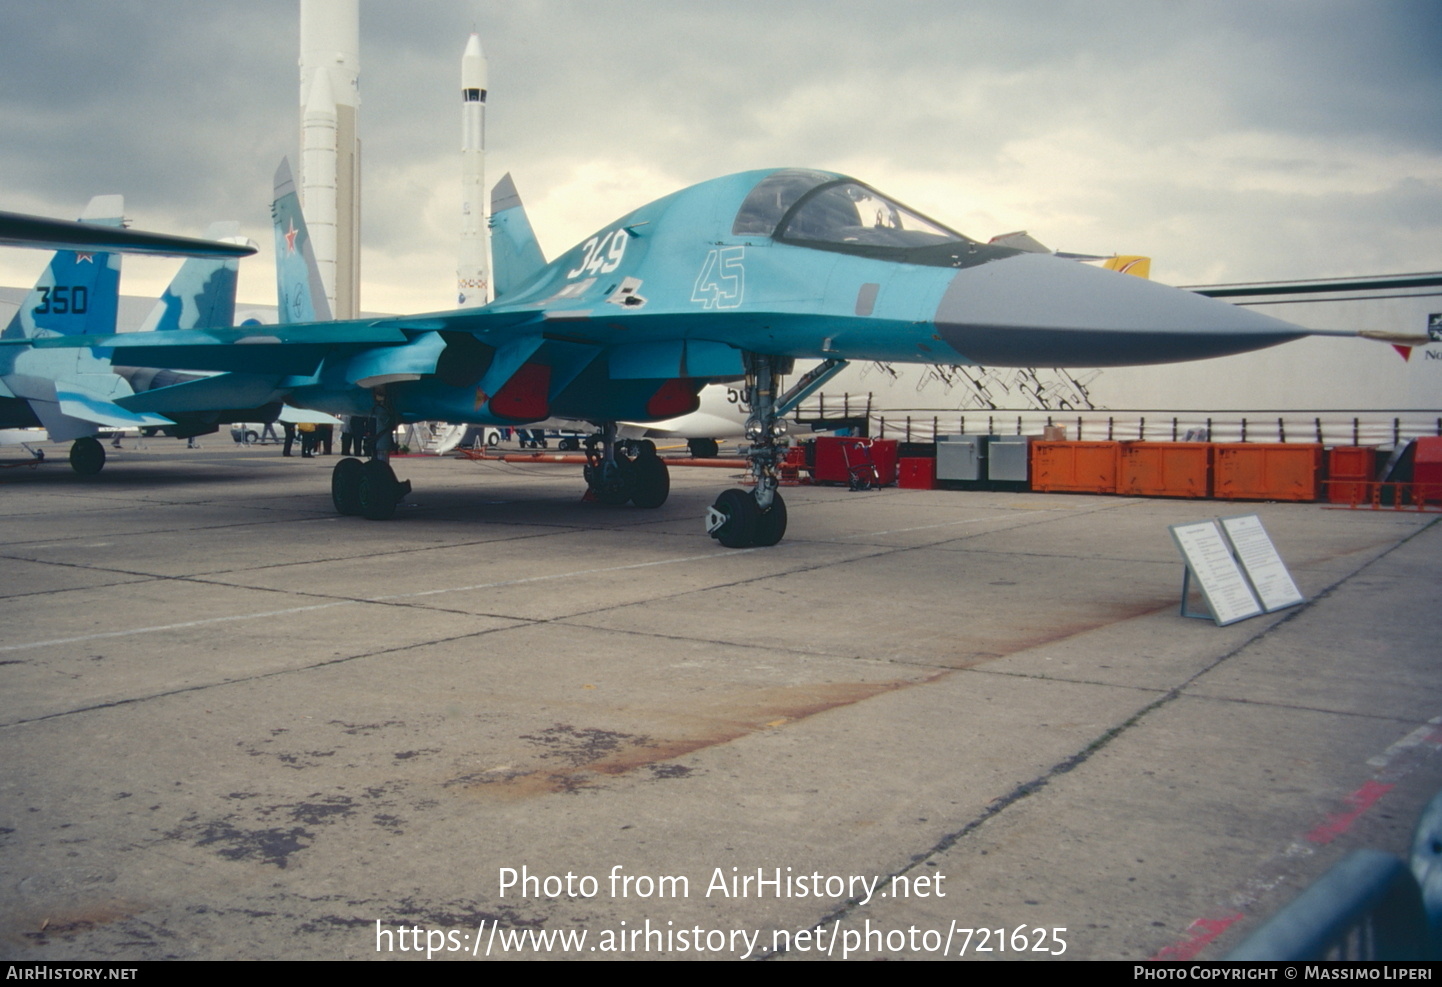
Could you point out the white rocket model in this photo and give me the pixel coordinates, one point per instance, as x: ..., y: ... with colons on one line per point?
x: 330, y: 150
x: 473, y: 274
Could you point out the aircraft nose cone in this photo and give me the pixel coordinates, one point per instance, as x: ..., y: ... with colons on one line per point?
x: 1034, y: 310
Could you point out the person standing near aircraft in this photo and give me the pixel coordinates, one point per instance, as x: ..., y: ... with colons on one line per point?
x: 289, y: 437
x: 307, y: 440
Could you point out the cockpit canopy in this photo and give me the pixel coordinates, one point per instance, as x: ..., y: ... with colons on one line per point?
x: 829, y: 212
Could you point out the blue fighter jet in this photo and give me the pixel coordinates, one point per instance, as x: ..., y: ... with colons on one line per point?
x: 731, y: 280
x: 74, y: 394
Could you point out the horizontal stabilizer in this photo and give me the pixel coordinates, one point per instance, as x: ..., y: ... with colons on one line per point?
x: 20, y: 230
x: 102, y: 411
x: 220, y: 391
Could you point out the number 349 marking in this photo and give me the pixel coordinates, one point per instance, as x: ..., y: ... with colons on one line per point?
x: 603, y: 254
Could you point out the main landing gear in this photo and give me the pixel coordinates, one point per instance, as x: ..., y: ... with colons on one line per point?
x: 617, y: 472
x: 87, y: 456
x: 757, y: 518
x: 370, y: 489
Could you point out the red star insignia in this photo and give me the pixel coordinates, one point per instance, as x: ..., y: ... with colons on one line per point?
x: 290, y: 236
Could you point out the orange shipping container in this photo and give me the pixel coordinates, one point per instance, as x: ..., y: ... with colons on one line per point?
x: 1166, y: 469
x: 1266, y: 471
x: 1075, y: 467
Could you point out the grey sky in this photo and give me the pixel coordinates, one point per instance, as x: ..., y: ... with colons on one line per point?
x: 1229, y: 140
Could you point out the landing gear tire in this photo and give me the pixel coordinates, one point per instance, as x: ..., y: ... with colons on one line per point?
x: 614, y: 489
x: 650, y: 481
x: 739, y: 528
x: 770, y: 523
x: 345, y: 486
x: 703, y: 448
x: 87, y: 456
x: 377, y: 492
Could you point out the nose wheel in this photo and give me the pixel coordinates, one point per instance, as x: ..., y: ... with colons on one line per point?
x: 737, y: 521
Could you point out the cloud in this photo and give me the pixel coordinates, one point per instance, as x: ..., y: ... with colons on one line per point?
x: 1230, y: 139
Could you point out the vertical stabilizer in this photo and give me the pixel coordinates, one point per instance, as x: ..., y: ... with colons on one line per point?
x: 1132, y: 264
x: 79, y: 292
x: 202, y: 294
x: 300, y: 294
x: 516, y: 256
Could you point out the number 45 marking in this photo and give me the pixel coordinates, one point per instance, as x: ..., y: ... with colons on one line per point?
x: 722, y: 280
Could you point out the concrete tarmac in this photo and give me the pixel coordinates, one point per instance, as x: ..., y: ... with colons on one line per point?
x: 234, y: 725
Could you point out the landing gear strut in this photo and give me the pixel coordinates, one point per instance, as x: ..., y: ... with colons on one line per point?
x: 625, y: 471
x: 757, y: 518
x: 617, y: 472
x: 370, y: 489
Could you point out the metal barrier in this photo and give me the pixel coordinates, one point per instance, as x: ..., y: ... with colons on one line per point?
x: 1377, y: 495
x: 1371, y: 906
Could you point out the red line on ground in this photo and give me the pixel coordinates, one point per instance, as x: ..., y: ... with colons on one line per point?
x: 1339, y: 822
x: 1209, y: 929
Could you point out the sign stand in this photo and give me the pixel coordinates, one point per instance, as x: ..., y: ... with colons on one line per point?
x: 1186, y: 593
x: 1236, y: 567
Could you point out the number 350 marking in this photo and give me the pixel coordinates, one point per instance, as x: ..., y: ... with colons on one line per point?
x: 63, y: 300
x: 603, y: 254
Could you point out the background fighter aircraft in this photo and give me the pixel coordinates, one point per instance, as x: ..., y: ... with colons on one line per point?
x: 74, y: 393
x: 735, y: 278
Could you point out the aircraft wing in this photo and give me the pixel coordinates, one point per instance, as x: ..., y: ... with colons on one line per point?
x: 23, y: 230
